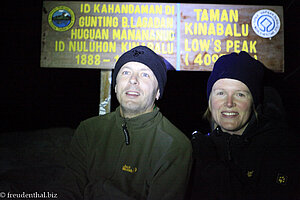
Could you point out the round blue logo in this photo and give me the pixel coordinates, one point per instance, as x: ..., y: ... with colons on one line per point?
x: 265, y: 23
x: 61, y: 18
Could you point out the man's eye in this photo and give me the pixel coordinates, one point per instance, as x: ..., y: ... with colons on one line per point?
x: 145, y: 74
x: 125, y: 72
x: 220, y: 93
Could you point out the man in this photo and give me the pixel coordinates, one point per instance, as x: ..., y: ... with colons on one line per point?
x: 249, y: 154
x: 133, y: 152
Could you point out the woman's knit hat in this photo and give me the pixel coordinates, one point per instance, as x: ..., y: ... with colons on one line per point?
x: 149, y: 58
x: 241, y: 67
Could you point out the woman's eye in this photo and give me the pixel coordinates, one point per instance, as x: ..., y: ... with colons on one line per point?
x: 241, y: 95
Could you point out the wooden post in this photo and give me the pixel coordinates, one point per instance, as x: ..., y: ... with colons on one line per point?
x: 105, y: 88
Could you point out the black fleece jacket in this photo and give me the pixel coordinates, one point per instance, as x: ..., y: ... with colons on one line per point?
x: 262, y: 163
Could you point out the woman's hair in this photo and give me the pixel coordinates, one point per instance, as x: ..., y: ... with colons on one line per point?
x: 207, y: 114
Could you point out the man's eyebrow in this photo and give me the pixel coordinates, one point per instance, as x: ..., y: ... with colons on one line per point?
x: 125, y: 67
x: 145, y: 69
x: 142, y: 69
x: 217, y: 89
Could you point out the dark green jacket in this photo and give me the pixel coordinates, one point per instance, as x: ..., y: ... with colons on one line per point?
x: 154, y: 165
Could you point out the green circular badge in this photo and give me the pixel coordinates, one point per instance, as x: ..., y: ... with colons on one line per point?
x: 61, y: 18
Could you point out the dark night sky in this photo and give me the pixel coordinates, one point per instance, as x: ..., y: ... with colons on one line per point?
x: 36, y: 98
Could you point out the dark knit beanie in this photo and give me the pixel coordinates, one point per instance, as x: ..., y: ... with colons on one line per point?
x: 148, y: 57
x: 241, y: 67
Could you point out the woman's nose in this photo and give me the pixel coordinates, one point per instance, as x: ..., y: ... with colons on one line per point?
x: 230, y: 101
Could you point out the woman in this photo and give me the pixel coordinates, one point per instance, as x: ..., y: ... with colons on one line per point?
x: 249, y: 154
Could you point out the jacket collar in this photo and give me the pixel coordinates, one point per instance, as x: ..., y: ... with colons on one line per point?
x: 140, y: 121
x: 250, y: 130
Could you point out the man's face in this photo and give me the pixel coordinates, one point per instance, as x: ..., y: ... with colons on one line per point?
x: 136, y: 89
x: 231, y: 105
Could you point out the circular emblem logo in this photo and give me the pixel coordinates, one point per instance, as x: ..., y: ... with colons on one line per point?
x: 265, y: 23
x: 61, y: 18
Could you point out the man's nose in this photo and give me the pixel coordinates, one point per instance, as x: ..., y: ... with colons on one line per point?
x: 133, y: 79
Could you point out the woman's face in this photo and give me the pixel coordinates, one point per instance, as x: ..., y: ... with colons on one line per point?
x: 231, y: 105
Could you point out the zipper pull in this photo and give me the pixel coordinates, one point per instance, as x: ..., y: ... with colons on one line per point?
x: 126, y: 134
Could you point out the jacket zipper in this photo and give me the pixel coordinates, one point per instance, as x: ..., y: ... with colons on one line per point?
x: 126, y: 133
x: 228, y: 148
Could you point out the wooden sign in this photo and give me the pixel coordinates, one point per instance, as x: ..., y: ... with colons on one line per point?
x: 190, y: 36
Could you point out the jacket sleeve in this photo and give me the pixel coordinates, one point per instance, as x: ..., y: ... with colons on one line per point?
x: 209, y: 168
x: 171, y: 179
x: 72, y: 183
